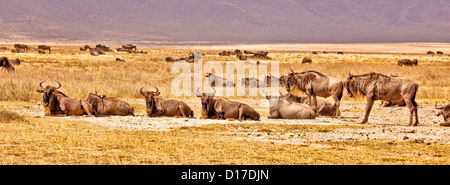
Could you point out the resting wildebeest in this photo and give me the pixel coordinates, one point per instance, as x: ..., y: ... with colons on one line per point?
x: 157, y: 106
x: 306, y: 60
x: 44, y: 47
x: 407, y: 62
x: 6, y: 64
x: 285, y: 109
x: 109, y: 105
x: 377, y: 86
x: 21, y: 46
x: 445, y: 112
x: 213, y: 77
x: 326, y: 108
x: 400, y: 103
x: 314, y: 84
x: 57, y: 103
x: 221, y: 108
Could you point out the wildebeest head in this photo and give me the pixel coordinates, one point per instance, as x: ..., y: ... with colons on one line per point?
x: 349, y: 85
x: 207, y: 103
x: 444, y: 111
x: 47, y: 92
x: 150, y: 99
x: 94, y: 99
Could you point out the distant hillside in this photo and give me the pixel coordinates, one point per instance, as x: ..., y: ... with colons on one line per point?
x: 225, y: 21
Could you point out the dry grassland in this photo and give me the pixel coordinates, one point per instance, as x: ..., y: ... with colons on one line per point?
x: 26, y: 139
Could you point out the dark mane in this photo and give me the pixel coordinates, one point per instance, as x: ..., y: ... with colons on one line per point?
x: 371, y: 74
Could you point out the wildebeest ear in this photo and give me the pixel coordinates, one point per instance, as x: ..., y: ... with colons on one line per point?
x: 40, y: 91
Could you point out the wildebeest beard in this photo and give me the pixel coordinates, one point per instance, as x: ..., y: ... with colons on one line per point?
x: 151, y: 104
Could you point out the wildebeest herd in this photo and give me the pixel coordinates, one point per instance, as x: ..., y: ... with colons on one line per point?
x: 374, y: 86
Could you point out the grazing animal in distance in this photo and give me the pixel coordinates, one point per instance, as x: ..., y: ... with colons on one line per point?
x: 57, y: 103
x: 158, y: 106
x: 376, y: 86
x: 109, y: 105
x: 212, y: 78
x: 306, y: 60
x: 407, y: 62
x: 314, y: 84
x: 44, y: 47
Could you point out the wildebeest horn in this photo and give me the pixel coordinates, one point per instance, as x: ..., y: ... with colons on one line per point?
x: 349, y: 74
x: 198, y: 94
x: 214, y: 92
x: 157, y: 90
x: 143, y: 93
x: 448, y: 100
x: 435, y: 106
x: 268, y: 97
x: 59, y: 85
x: 40, y: 84
x: 292, y: 71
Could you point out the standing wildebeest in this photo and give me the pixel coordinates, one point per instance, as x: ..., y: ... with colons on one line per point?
x: 439, y: 52
x: 44, y: 47
x: 407, y: 62
x: 21, y: 46
x: 109, y: 105
x: 220, y: 107
x: 15, y: 61
x: 430, y: 53
x: 445, y: 112
x: 213, y: 77
x: 6, y: 64
x: 57, y: 103
x: 325, y: 108
x: 285, y: 109
x: 377, y: 86
x: 157, y: 106
x: 315, y: 84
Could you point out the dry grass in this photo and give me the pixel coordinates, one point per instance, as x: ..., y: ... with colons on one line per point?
x: 46, y: 140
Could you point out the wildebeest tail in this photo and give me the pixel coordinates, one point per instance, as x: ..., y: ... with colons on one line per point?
x: 413, y: 99
x: 342, y: 92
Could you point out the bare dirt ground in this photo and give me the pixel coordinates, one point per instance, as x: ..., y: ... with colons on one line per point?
x: 389, y: 124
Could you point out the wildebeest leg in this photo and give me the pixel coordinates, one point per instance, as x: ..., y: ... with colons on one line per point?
x: 337, y: 103
x: 87, y: 107
x: 241, y: 114
x: 369, y: 105
x: 412, y: 109
x: 315, y: 104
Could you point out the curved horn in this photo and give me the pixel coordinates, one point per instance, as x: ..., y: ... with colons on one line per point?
x: 198, y: 94
x: 267, y: 97
x: 59, y: 84
x: 142, y: 92
x: 40, y: 84
x: 292, y: 71
x: 157, y: 90
x: 436, y: 107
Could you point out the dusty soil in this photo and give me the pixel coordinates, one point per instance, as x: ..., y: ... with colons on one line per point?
x: 388, y: 124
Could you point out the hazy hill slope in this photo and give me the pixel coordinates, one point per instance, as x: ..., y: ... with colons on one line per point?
x: 219, y: 21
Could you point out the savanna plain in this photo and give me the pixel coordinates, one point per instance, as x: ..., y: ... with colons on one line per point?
x: 29, y: 137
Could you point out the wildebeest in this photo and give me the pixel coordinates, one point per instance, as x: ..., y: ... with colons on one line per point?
x: 430, y: 53
x: 445, y: 112
x: 212, y: 78
x: 6, y: 64
x: 407, y: 62
x: 21, y: 46
x: 376, y: 86
x: 18, y: 50
x: 314, y: 84
x: 109, y: 105
x: 44, y: 47
x: 325, y: 108
x: 306, y: 60
x: 158, y: 106
x: 41, y: 52
x: 120, y: 60
x: 340, y: 53
x: 282, y: 108
x: 439, y: 52
x: 400, y: 103
x: 86, y: 47
x: 221, y: 108
x: 15, y: 61
x: 57, y: 103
